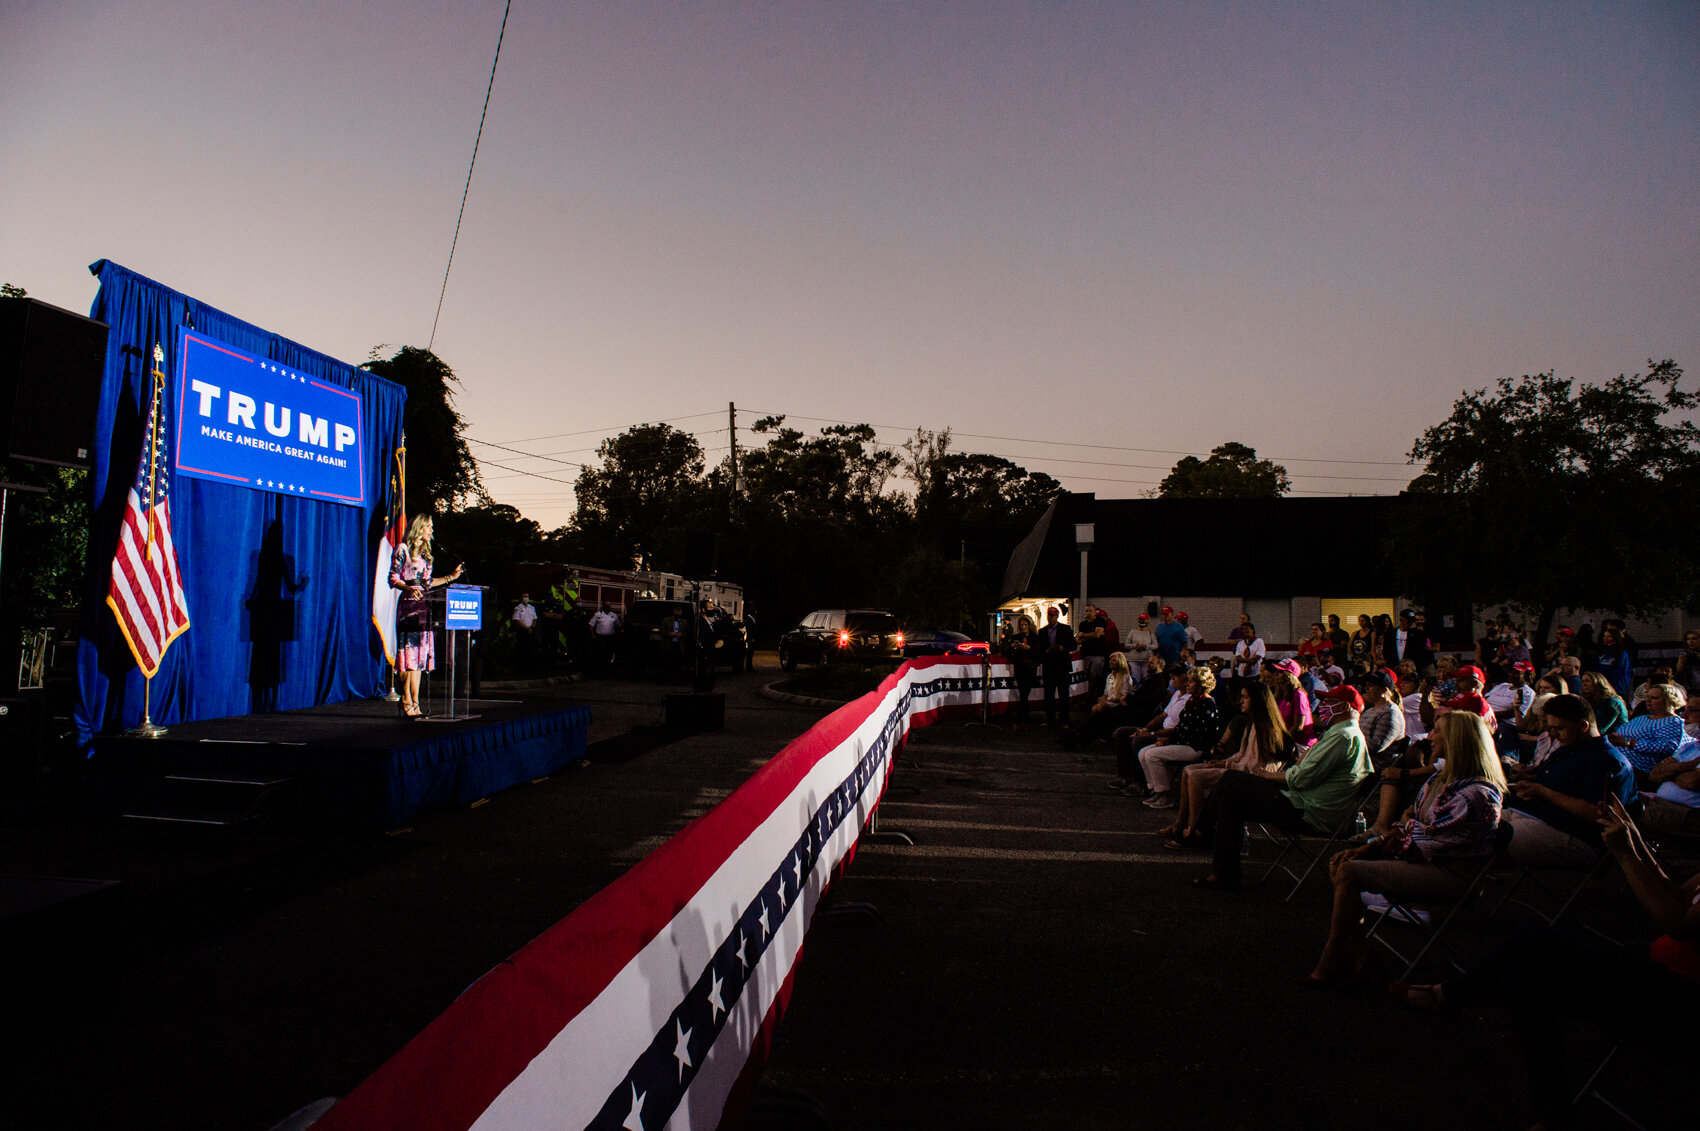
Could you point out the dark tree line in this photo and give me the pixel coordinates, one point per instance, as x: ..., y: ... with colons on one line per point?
x: 812, y: 520
x: 1539, y: 494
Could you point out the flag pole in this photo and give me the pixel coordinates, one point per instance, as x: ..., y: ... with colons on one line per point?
x: 398, y: 480
x: 148, y: 729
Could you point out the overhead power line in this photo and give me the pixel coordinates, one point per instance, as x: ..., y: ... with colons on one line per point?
x: 516, y: 451
x: 553, y: 457
x: 613, y: 428
x: 470, y: 166
x: 1075, y: 444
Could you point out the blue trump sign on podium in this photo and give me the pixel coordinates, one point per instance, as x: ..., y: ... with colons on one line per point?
x: 251, y: 422
x: 465, y: 608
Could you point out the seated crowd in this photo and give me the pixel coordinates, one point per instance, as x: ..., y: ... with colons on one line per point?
x: 1577, y: 762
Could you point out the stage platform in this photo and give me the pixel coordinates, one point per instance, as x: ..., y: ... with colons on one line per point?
x: 361, y: 763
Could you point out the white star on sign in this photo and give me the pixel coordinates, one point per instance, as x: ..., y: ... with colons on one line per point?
x: 797, y: 868
x: 742, y: 961
x: 715, y: 1006
x: 682, y: 1048
x: 634, y: 1118
x: 765, y: 929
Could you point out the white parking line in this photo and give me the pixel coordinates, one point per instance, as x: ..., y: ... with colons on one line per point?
x: 1036, y: 855
x: 935, y: 823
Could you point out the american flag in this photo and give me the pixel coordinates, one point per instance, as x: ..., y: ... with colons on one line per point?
x: 146, y: 594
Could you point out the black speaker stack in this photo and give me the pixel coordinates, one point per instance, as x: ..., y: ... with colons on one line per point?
x: 51, y: 365
x: 51, y: 362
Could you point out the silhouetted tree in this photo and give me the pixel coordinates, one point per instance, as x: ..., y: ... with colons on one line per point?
x: 1541, y: 495
x: 441, y: 473
x: 638, y: 507
x: 1233, y: 471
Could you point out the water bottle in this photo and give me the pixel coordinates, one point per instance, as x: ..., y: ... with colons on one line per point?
x: 1362, y: 823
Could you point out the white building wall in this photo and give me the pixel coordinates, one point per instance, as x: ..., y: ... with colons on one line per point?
x: 1213, y: 616
x: 1123, y: 610
x: 1306, y: 612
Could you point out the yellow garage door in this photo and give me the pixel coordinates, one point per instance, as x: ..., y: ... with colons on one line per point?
x: 1348, y: 610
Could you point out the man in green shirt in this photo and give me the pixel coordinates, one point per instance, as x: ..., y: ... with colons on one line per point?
x: 1311, y: 796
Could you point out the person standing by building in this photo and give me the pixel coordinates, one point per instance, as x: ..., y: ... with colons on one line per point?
x: 1688, y: 663
x: 524, y: 618
x: 1408, y: 643
x: 1093, y: 638
x: 1193, y: 637
x: 1248, y: 656
x: 1171, y: 637
x: 525, y: 614
x: 604, y: 631
x: 1339, y: 644
x: 1138, y: 647
x: 1056, y: 666
x: 1020, y: 644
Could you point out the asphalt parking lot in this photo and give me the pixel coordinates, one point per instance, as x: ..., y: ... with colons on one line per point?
x: 1035, y: 959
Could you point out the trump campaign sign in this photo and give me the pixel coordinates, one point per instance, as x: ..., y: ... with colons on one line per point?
x: 251, y: 422
x: 464, y: 607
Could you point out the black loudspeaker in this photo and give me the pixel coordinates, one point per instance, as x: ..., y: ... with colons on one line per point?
x: 694, y: 713
x: 23, y: 751
x: 702, y: 556
x: 51, y: 362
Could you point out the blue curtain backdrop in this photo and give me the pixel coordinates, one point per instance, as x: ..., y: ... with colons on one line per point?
x: 279, y: 588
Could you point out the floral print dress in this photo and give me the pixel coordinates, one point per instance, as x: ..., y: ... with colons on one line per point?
x: 415, y: 651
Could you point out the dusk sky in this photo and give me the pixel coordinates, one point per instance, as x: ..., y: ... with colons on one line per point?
x: 1305, y: 227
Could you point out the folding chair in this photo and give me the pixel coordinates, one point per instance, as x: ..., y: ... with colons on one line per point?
x: 1290, y: 842
x: 1565, y: 894
x: 1434, y: 933
x: 1622, y: 1052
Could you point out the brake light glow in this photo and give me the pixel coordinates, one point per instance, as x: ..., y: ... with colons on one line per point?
x: 900, y: 640
x: 843, y: 638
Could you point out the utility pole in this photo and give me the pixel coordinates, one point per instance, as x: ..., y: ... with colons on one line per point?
x: 732, y: 432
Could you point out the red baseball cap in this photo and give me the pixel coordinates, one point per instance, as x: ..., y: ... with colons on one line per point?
x: 1167, y: 609
x: 1181, y: 615
x: 1472, y: 703
x: 1471, y: 671
x: 1522, y: 666
x: 1346, y: 694
x: 1143, y: 619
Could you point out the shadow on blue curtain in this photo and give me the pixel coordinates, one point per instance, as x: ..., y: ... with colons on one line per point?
x: 279, y: 588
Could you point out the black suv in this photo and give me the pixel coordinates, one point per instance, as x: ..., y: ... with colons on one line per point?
x: 831, y: 635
